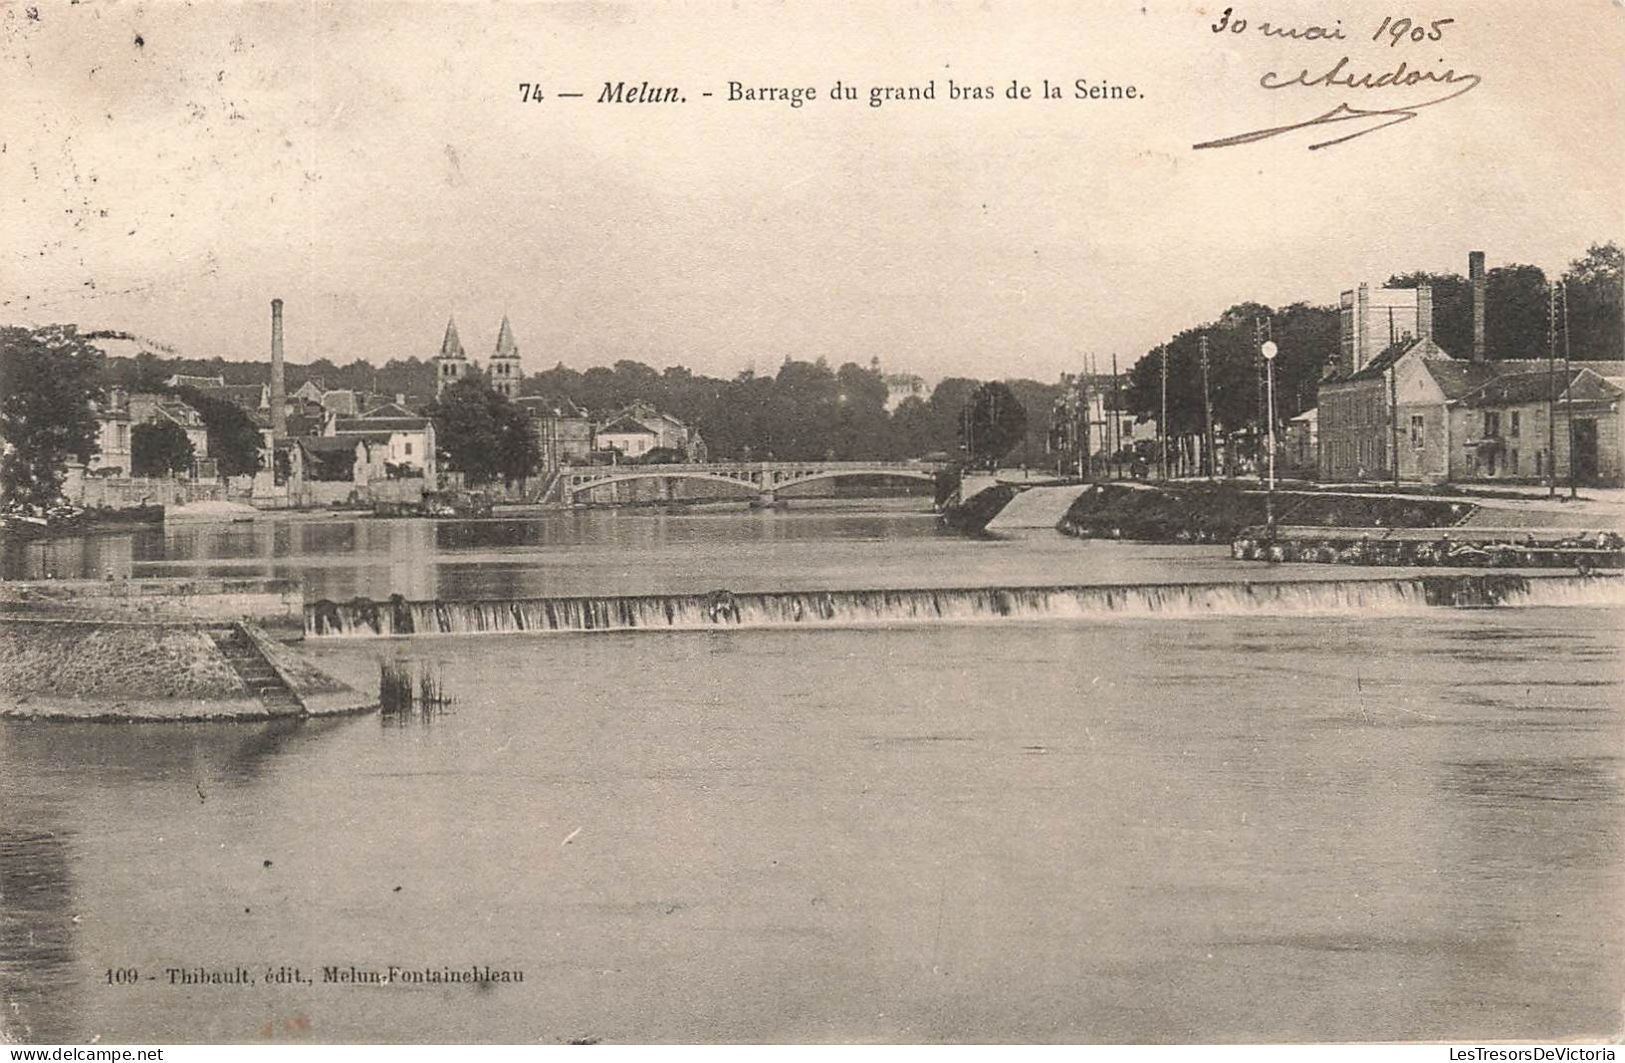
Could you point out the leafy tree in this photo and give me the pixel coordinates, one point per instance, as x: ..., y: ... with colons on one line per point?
x: 911, y: 429
x: 159, y: 448
x: 49, y: 377
x: 482, y: 434
x: 947, y: 407
x: 1596, y: 324
x: 1514, y: 311
x: 1036, y: 396
x: 995, y: 423
x: 234, y: 442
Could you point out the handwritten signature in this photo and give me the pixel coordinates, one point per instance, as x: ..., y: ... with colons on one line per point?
x: 1339, y: 77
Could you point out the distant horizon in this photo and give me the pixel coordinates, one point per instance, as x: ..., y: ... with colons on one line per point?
x: 474, y: 349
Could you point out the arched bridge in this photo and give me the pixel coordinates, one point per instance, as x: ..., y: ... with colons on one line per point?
x: 766, y: 478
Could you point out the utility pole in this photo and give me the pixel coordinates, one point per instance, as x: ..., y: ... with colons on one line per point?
x: 1207, y: 413
x: 1551, y: 391
x: 1162, y: 425
x: 1568, y: 388
x: 1080, y: 420
x: 1117, y: 415
x: 1261, y: 334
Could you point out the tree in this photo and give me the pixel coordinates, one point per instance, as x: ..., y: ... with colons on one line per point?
x: 1514, y: 311
x: 1596, y: 327
x: 48, y: 380
x: 995, y: 423
x: 482, y: 434
x: 911, y: 428
x: 947, y: 409
x: 234, y: 442
x: 159, y: 448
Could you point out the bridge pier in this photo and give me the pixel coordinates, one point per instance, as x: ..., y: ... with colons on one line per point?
x: 766, y: 500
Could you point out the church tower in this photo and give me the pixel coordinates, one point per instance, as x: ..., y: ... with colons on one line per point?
x: 451, y: 363
x: 505, y: 369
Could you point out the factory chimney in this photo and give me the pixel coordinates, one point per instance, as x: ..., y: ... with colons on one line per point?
x: 279, y: 402
x: 1475, y: 279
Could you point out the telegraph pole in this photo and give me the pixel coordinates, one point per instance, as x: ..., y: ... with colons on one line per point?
x: 1117, y: 415
x: 1082, y: 399
x: 1551, y: 391
x: 1162, y: 425
x: 1261, y: 334
x: 1568, y: 387
x: 1208, y: 452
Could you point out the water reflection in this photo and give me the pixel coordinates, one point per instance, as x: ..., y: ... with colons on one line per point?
x: 61, y: 786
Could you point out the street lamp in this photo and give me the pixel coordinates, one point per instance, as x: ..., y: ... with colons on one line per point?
x: 1270, y: 350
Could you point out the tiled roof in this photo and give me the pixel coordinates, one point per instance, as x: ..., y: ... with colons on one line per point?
x: 1459, y: 378
x: 388, y: 409
x: 626, y: 426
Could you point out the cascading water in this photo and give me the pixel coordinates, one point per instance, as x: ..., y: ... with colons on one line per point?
x: 722, y: 609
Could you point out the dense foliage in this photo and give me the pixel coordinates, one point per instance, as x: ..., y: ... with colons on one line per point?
x: 483, y: 435
x: 48, y: 379
x: 159, y: 448
x: 234, y: 442
x: 995, y: 424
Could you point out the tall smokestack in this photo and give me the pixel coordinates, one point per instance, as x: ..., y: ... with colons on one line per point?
x: 279, y: 402
x: 1475, y: 278
x: 1424, y: 311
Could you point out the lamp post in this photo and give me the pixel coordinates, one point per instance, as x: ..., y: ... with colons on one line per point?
x: 1270, y: 350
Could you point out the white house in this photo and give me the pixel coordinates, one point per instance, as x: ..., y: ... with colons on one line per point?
x: 407, y: 438
x: 628, y: 437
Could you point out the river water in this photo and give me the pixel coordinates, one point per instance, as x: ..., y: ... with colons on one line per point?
x: 1256, y: 826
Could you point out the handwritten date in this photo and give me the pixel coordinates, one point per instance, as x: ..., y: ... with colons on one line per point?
x: 1397, y: 30
x: 1342, y: 75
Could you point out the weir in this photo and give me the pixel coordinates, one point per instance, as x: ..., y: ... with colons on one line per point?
x: 363, y: 618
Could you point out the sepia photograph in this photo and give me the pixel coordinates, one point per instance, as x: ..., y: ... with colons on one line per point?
x: 899, y: 522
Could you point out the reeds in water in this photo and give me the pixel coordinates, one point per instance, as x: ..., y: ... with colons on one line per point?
x: 402, y: 693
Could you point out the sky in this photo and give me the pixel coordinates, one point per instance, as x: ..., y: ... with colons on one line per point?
x: 177, y: 166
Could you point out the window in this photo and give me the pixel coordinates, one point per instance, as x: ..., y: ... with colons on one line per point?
x: 1492, y: 423
x: 1512, y: 458
x: 1417, y: 426
x: 407, y: 449
x: 1512, y: 430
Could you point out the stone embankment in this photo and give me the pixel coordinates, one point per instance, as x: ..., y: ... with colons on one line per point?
x: 159, y: 650
x: 111, y: 670
x: 1471, y: 547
